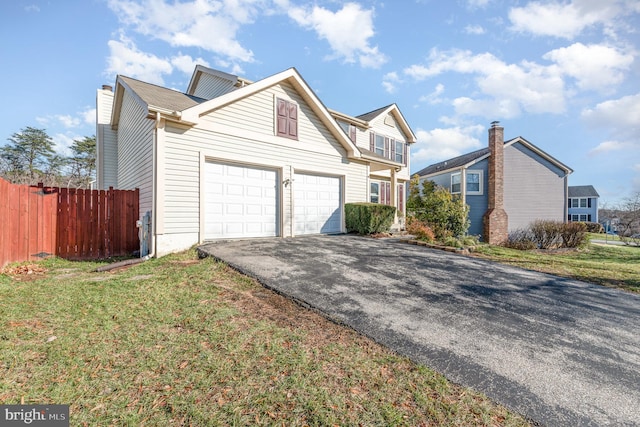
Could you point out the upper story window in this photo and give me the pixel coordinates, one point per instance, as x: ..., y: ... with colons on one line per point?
x: 389, y: 148
x: 286, y: 119
x: 399, y: 152
x: 579, y: 202
x: 380, y: 146
x: 349, y: 129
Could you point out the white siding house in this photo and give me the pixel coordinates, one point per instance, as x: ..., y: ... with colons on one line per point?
x: 235, y: 159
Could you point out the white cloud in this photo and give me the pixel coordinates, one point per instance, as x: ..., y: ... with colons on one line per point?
x: 474, y: 29
x: 68, y: 121
x: 390, y: 80
x: 622, y: 115
x: 443, y: 143
x: 186, y: 63
x: 509, y: 89
x: 608, y: 146
x: 477, y: 3
x: 568, y: 20
x: 63, y: 142
x: 209, y: 25
x: 550, y: 19
x: 347, y: 31
x: 89, y: 116
x: 125, y: 58
x: 434, y: 97
x: 32, y: 8
x: 593, y: 66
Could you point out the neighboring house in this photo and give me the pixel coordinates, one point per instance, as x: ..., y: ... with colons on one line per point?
x: 583, y: 203
x: 507, y: 185
x: 230, y: 158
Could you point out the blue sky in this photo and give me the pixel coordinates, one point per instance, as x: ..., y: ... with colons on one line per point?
x: 565, y: 75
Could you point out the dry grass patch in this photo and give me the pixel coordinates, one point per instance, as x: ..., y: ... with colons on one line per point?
x: 182, y: 341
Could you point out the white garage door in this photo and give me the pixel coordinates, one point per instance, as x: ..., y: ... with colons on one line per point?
x: 317, y: 204
x: 240, y: 201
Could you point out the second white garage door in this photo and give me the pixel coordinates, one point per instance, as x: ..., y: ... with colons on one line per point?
x: 317, y: 204
x: 241, y: 201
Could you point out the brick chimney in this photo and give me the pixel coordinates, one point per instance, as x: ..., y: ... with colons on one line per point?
x: 495, y: 220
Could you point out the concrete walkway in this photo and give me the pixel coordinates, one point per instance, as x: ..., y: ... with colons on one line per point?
x: 561, y: 352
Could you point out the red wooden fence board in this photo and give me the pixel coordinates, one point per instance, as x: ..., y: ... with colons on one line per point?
x: 36, y: 221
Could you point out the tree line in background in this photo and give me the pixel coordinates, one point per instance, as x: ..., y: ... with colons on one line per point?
x: 29, y: 158
x: 624, y: 219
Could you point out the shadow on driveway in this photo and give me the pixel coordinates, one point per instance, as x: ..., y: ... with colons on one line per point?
x: 559, y: 351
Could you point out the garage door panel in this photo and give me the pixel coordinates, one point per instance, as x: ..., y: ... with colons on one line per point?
x: 317, y: 204
x: 240, y: 201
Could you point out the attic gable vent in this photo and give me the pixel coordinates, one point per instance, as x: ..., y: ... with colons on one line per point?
x: 390, y: 121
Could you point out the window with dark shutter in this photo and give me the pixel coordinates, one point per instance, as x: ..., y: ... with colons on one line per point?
x: 589, y: 203
x: 287, y: 119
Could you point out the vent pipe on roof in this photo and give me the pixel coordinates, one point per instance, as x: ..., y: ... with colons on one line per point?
x: 107, y: 87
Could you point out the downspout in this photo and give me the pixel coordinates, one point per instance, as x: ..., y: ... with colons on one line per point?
x: 152, y: 249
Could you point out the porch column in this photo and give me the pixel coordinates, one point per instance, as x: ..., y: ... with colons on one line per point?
x: 394, y: 194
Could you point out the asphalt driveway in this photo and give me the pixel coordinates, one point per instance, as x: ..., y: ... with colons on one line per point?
x: 561, y: 352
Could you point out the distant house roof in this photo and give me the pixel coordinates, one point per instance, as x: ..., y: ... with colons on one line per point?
x: 582, y: 191
x: 469, y: 159
x: 454, y: 163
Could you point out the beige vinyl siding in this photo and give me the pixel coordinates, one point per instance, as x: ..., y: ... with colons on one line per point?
x: 135, y: 151
x: 378, y: 126
x: 247, y: 137
x: 533, y: 188
x: 210, y: 86
x: 312, y: 133
x: 107, y: 142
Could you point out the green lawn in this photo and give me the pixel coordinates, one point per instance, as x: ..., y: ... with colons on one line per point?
x: 608, y: 265
x: 182, y: 341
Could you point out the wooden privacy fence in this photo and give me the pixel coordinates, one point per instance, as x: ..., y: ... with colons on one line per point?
x: 77, y: 224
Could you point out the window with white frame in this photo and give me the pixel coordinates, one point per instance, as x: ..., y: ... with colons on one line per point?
x: 379, y: 147
x: 389, y: 148
x: 474, y: 182
x: 399, y: 152
x: 349, y: 129
x: 374, y: 193
x: 580, y: 202
x: 583, y: 218
x: 575, y: 217
x: 455, y: 183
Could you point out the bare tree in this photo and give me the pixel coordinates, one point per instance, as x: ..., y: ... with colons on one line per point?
x: 629, y: 219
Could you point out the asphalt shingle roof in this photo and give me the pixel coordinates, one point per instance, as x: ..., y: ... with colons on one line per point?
x: 162, y: 97
x: 582, y: 191
x: 454, y: 162
x: 372, y: 114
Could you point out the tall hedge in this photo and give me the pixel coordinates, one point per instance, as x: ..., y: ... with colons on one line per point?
x: 368, y: 218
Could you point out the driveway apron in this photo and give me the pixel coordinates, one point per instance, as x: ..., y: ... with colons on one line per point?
x: 559, y: 351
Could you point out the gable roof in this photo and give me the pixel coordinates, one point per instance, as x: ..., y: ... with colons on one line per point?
x: 200, y: 70
x: 291, y: 76
x: 582, y: 191
x: 466, y: 160
x: 393, y: 110
x: 151, y: 97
